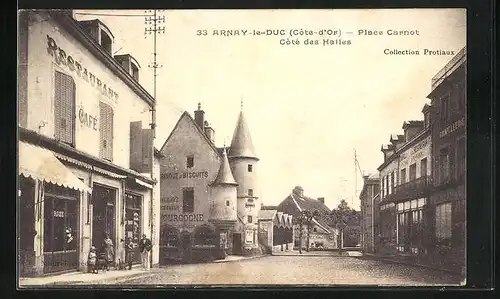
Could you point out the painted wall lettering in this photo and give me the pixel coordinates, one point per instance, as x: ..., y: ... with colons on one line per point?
x: 184, y: 175
x: 87, y: 119
x: 453, y: 127
x: 183, y: 217
x: 170, y: 199
x: 61, y: 58
x: 170, y: 208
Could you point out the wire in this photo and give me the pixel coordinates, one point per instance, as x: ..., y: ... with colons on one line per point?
x: 111, y: 15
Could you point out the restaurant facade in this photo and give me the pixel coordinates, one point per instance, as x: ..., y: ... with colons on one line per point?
x: 86, y: 154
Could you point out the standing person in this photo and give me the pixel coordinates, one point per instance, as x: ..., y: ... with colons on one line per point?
x: 145, y: 247
x: 129, y: 252
x: 109, y: 250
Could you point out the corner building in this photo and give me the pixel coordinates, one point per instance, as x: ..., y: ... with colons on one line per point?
x: 449, y: 123
x: 86, y: 156
x: 208, y: 195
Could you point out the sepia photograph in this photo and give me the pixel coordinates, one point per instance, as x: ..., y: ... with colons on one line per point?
x: 233, y: 148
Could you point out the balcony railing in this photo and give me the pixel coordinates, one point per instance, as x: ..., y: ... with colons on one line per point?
x: 452, y: 65
x: 413, y: 189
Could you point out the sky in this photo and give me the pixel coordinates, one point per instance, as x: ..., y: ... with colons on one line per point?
x: 308, y: 107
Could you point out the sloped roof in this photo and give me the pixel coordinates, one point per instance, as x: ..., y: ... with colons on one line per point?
x: 311, y: 204
x: 266, y: 214
x: 241, y: 144
x: 225, y: 176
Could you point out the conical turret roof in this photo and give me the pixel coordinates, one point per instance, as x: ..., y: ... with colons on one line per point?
x: 225, y: 176
x: 241, y: 145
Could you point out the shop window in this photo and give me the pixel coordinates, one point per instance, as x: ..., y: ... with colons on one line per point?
x: 443, y: 223
x: 423, y: 167
x: 188, y: 200
x: 190, y: 161
x: 250, y: 167
x: 250, y: 219
x: 64, y: 108
x: 250, y: 192
x: 413, y: 172
x: 106, y: 131
x: 403, y: 175
x: 205, y: 235
x: 133, y: 207
x: 60, y: 224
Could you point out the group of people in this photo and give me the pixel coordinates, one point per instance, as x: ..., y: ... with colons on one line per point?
x: 101, y: 260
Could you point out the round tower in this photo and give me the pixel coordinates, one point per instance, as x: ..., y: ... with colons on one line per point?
x: 243, y: 163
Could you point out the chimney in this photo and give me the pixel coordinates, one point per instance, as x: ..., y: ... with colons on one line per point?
x: 412, y: 128
x: 199, y: 117
x: 322, y: 199
x: 298, y: 191
x: 209, y: 131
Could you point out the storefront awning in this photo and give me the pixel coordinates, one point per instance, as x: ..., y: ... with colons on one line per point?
x: 41, y: 164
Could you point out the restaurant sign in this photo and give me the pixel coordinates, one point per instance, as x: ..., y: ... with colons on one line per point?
x: 62, y: 58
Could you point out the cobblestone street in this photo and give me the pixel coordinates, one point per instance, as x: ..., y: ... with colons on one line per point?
x: 296, y: 270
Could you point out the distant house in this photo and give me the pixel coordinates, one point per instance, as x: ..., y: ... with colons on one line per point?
x: 321, y: 234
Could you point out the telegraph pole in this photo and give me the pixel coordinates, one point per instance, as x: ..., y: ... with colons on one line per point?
x: 152, y: 27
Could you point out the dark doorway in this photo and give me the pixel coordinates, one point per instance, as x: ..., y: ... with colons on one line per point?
x: 186, y: 246
x: 103, y: 215
x: 237, y: 243
x: 26, y: 226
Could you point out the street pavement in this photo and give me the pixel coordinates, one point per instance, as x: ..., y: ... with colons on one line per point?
x: 294, y: 270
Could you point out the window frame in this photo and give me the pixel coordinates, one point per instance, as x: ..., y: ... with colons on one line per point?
x: 73, y: 109
x: 185, y: 207
x: 189, y: 161
x: 250, y: 167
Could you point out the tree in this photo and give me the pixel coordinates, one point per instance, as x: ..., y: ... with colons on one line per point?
x: 305, y: 217
x: 339, y: 218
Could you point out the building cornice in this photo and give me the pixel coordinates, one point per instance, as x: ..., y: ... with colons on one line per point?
x: 73, y: 27
x: 405, y: 146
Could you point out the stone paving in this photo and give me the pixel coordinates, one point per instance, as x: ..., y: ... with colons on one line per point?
x: 291, y: 270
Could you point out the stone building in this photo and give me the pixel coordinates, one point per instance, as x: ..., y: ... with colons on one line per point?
x: 405, y: 188
x: 275, y: 230
x: 369, y: 197
x: 209, y: 195
x: 317, y: 235
x: 449, y: 121
x: 86, y: 158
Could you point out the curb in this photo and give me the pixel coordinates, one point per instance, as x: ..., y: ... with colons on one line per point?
x: 409, y: 264
x: 243, y: 259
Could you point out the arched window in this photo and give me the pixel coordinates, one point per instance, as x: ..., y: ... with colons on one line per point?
x: 205, y: 235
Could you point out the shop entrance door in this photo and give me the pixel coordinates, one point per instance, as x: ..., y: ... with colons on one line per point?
x: 26, y: 227
x: 237, y: 243
x: 103, y: 216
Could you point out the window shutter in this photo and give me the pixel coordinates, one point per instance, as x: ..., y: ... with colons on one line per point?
x: 64, y: 102
x: 106, y: 132
x: 136, y: 145
x: 147, y: 150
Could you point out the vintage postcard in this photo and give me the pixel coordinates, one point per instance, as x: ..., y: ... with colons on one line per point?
x: 241, y: 147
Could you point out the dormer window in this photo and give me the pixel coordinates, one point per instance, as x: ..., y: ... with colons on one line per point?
x: 106, y: 41
x: 426, y: 120
x: 135, y: 72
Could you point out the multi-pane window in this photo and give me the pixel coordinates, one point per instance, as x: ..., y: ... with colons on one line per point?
x: 413, y: 172
x: 444, y: 165
x: 188, y: 200
x: 423, y: 167
x: 106, y: 131
x: 461, y: 148
x: 190, y: 161
x: 445, y: 107
x: 64, y: 108
x: 443, y: 222
x: 60, y: 224
x: 403, y: 175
